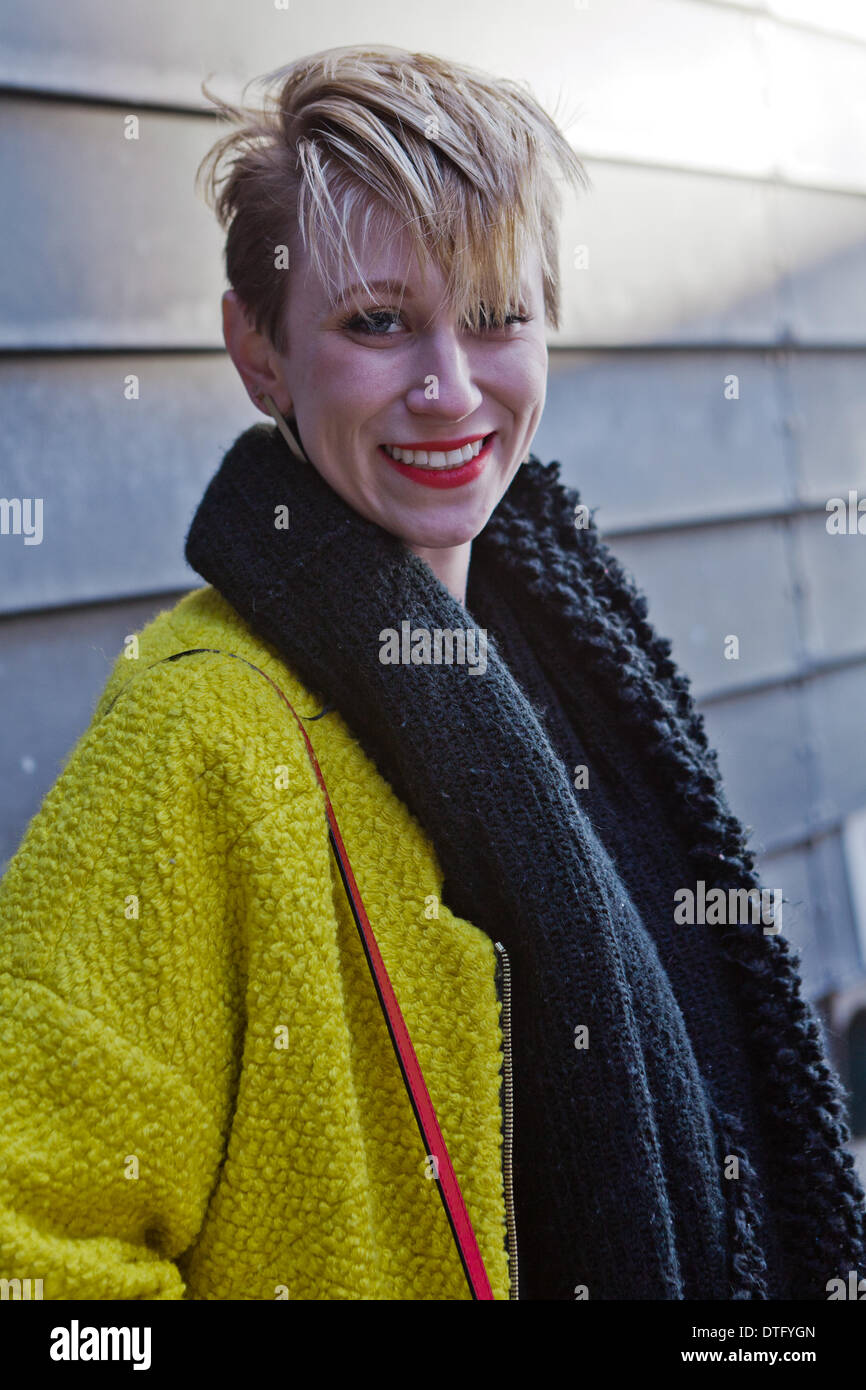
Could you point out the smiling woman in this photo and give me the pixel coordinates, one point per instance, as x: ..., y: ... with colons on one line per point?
x: 264, y: 931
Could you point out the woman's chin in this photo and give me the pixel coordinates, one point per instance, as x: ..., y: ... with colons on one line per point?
x: 442, y: 537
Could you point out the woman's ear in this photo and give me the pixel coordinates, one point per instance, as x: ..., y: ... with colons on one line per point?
x: 252, y: 355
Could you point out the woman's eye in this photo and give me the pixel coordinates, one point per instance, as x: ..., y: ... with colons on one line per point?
x: 377, y: 323
x: 372, y: 322
x: 491, y: 322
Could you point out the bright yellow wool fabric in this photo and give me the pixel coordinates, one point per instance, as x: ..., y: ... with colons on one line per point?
x: 199, y: 1097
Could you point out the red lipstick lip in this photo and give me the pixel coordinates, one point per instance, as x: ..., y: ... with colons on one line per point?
x: 440, y: 446
x: 460, y: 475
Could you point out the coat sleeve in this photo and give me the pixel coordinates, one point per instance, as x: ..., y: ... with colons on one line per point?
x: 121, y: 1014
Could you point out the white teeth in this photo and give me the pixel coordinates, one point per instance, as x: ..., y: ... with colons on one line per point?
x: 435, y: 459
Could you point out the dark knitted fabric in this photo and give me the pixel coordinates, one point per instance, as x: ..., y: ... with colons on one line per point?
x: 630, y: 1197
x: 651, y: 860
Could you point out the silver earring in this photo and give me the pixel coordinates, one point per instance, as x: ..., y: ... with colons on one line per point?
x: 282, y: 426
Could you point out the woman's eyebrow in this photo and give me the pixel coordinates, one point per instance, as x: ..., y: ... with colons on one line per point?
x: 394, y: 286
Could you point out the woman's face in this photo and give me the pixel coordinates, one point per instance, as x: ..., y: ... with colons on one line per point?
x: 413, y: 378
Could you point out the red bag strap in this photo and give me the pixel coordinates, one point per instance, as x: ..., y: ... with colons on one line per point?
x: 425, y: 1115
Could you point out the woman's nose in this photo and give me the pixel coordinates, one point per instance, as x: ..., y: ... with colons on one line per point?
x: 445, y: 386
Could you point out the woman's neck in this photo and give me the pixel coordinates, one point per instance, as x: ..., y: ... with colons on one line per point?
x: 450, y: 566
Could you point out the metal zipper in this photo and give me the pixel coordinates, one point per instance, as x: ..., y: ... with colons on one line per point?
x: 503, y: 974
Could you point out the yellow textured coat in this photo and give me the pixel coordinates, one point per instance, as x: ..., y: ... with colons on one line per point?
x: 199, y: 1097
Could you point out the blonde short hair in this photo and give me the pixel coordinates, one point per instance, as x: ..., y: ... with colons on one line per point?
x: 361, y: 142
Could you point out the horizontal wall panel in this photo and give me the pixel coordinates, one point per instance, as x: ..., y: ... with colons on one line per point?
x: 649, y: 437
x: 143, y: 50
x: 820, y: 242
x: 793, y: 755
x: 657, y: 256
x: 827, y: 393
x: 111, y: 246
x: 608, y: 64
x: 119, y: 479
x: 815, y: 116
x: 833, y: 570
x: 706, y: 585
x: 762, y: 742
x: 837, y: 705
x: 631, y: 68
x: 52, y: 671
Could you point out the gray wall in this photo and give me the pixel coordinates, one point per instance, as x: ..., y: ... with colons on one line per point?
x: 725, y: 235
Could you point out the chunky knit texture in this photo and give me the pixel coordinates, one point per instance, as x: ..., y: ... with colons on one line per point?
x: 198, y: 1094
x: 594, y: 609
x: 651, y: 860
x: 632, y: 1135
x: 595, y: 614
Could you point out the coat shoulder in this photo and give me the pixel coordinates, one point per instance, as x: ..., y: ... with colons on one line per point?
x: 201, y: 623
x: 200, y: 661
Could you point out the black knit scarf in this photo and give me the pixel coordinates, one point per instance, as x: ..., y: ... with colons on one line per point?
x: 631, y: 1142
